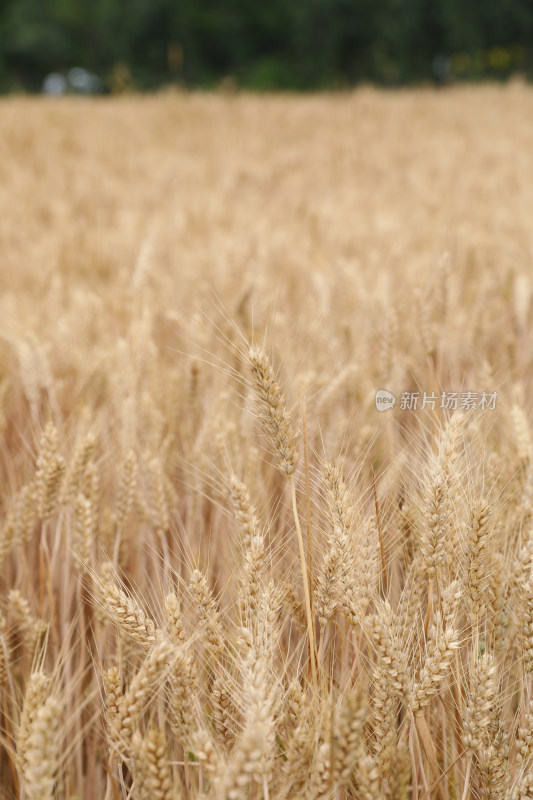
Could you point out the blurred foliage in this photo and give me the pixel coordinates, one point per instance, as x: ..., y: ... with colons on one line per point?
x: 304, y: 44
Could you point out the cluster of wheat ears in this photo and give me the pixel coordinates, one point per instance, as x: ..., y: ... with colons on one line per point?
x: 224, y: 573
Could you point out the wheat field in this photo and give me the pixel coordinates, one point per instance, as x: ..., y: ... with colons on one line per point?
x: 226, y: 570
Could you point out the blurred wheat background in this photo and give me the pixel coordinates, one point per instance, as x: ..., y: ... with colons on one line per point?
x: 224, y: 573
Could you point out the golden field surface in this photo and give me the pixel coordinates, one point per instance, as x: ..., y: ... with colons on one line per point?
x: 225, y: 573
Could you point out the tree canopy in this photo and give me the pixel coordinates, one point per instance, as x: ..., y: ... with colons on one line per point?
x: 302, y: 44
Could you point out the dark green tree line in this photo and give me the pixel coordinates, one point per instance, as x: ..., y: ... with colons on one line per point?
x: 302, y: 44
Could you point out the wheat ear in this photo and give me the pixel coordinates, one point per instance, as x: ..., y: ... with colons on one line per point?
x: 35, y: 696
x: 153, y: 670
x: 41, y: 757
x: 274, y: 414
x: 151, y: 769
x: 278, y: 424
x: 50, y: 469
x: 244, y: 510
x: 123, y: 610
